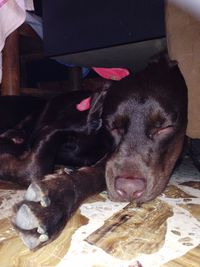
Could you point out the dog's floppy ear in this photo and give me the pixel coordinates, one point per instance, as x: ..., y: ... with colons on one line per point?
x: 94, y: 120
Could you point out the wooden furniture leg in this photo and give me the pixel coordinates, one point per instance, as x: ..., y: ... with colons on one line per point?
x: 10, y: 66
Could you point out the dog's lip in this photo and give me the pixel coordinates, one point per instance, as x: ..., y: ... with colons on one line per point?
x: 130, y: 188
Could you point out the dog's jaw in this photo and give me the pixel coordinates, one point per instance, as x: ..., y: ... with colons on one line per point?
x: 137, y: 181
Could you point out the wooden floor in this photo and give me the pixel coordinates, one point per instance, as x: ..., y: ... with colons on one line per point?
x: 13, y: 253
x: 190, y: 259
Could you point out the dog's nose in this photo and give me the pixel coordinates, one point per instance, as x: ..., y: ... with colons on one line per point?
x: 130, y: 188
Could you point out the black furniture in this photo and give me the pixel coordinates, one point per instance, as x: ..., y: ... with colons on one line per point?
x: 103, y: 33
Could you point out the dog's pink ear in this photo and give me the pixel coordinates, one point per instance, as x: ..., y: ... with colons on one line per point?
x: 94, y: 121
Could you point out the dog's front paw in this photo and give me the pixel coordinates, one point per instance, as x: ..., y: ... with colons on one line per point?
x: 44, y: 211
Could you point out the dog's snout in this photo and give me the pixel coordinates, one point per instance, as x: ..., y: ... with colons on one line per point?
x: 130, y: 188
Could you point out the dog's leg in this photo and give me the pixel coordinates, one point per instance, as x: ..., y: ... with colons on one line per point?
x: 49, y: 204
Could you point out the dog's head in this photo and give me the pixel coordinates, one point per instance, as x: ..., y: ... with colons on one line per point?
x: 146, y: 115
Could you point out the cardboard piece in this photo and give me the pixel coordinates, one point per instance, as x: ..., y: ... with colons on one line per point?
x: 183, y: 40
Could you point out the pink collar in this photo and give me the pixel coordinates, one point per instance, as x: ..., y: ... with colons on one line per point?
x: 84, y: 104
x: 112, y: 73
x: 107, y: 73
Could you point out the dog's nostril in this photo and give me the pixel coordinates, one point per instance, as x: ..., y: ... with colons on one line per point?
x: 129, y: 188
x: 121, y: 193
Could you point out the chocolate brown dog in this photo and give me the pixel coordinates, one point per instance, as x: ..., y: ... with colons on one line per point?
x: 130, y: 138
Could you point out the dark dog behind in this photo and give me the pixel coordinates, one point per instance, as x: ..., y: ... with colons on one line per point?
x: 131, y: 137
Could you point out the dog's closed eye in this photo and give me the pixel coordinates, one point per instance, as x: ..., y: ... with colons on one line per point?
x: 118, y: 126
x: 162, y: 131
x: 159, y: 126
